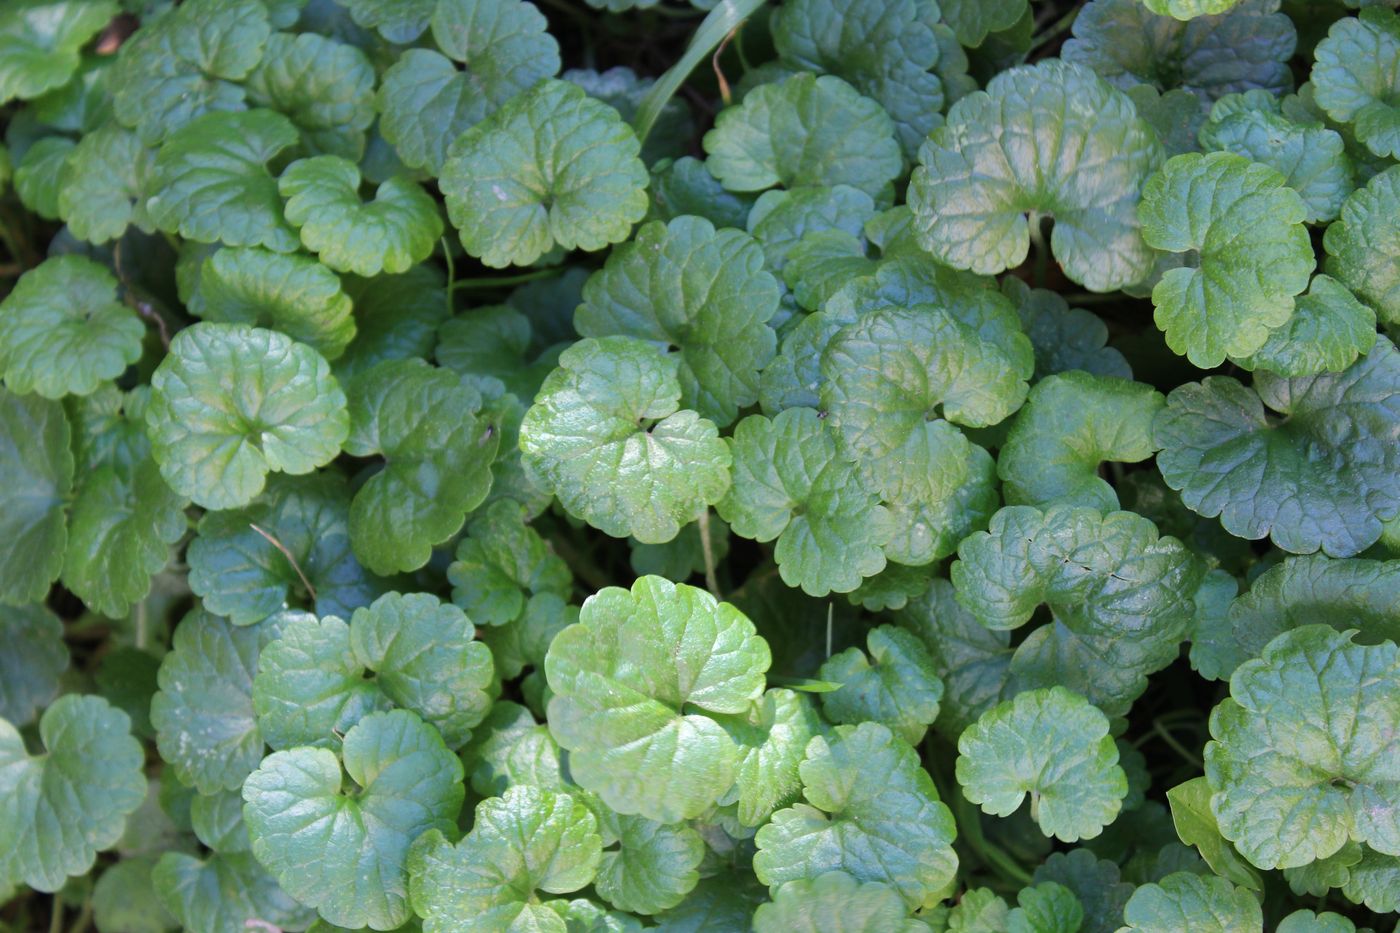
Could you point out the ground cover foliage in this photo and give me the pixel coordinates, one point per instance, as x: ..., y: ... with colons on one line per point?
x: 898, y: 466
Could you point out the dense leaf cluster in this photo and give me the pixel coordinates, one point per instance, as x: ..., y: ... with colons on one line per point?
x: 901, y: 466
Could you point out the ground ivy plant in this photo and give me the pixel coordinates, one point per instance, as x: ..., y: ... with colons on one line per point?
x: 801, y: 466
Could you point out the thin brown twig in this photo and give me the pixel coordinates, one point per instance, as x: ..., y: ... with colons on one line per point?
x: 272, y: 540
x: 724, y: 93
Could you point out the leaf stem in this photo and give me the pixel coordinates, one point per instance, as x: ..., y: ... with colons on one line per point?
x: 142, y: 308
x: 56, y: 915
x: 718, y: 23
x: 451, y: 274
x: 272, y: 540
x: 1042, y: 254
x: 80, y: 925
x: 503, y: 281
x: 970, y: 823
x: 1056, y: 29
x: 1186, y: 754
x: 708, y: 551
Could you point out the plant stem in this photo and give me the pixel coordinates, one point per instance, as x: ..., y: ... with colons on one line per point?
x: 708, y: 551
x: 718, y: 23
x: 84, y: 918
x: 504, y: 281
x: 1186, y: 754
x: 451, y: 274
x: 56, y: 915
x: 1042, y: 253
x: 1056, y: 29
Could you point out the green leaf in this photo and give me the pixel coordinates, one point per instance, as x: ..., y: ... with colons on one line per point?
x: 510, y: 748
x: 34, y: 657
x: 972, y: 661
x: 1046, y: 907
x: 427, y: 101
x: 1304, y: 752
x: 1095, y: 882
x: 40, y: 174
x: 404, y: 650
x: 1321, y: 477
x: 105, y: 185
x: 1054, y: 746
x: 217, y: 447
x: 791, y: 485
x: 804, y: 130
x: 1064, y: 338
x: 398, y: 21
x: 894, y: 831
x: 1196, y: 825
x: 1312, y: 159
x: 123, y: 526
x: 1361, y: 245
x: 124, y: 899
x: 552, y: 167
x: 1354, y: 78
x: 972, y: 20
x: 1187, y: 901
x: 37, y: 463
x: 63, y: 331
x: 620, y: 88
x: 223, y: 893
x: 528, y: 840
x: 1120, y: 596
x: 1128, y: 43
x: 1253, y: 254
x: 886, y: 378
x: 1329, y: 329
x: 607, y: 434
x: 897, y: 686
x: 396, y: 317
x: 772, y: 736
x: 41, y: 41
x: 203, y: 714
x: 59, y: 809
x: 426, y: 424
x: 501, y: 564
x: 494, y: 341
x: 686, y: 186
x: 325, y: 87
x: 524, y: 642
x: 242, y: 575
x: 1092, y: 155
x: 634, y: 683
x: 835, y: 903
x: 1306, y: 921
x: 188, y: 64
x: 647, y: 867
x: 779, y: 219
x: 686, y: 285
x: 1353, y: 594
x: 407, y: 783
x: 886, y: 50
x: 1189, y: 9
x: 211, y: 182
x: 1072, y: 423
x: 293, y: 294
x: 395, y: 231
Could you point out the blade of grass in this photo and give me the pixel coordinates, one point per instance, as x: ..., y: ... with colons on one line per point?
x: 718, y: 23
